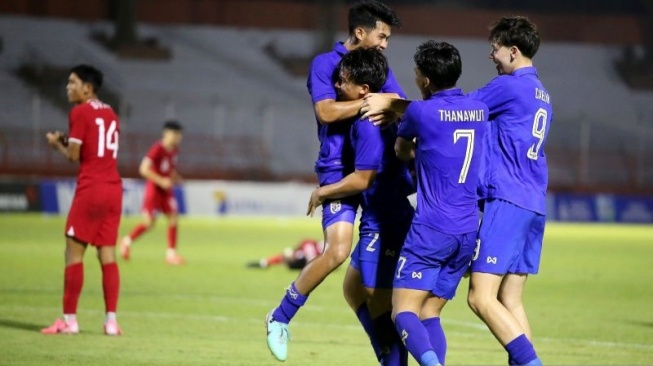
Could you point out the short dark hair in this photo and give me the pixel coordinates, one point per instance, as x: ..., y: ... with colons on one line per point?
x: 516, y: 31
x: 365, y: 66
x: 440, y: 62
x: 367, y: 12
x: 89, y: 74
x: 172, y: 125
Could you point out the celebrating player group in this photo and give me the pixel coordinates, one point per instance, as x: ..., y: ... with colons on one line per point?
x: 475, y: 157
x: 471, y: 158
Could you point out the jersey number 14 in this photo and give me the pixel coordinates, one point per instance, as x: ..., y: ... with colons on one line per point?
x: 107, y: 138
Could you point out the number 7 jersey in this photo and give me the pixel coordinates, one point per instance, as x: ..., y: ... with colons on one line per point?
x: 515, y: 168
x: 449, y: 128
x: 95, y: 127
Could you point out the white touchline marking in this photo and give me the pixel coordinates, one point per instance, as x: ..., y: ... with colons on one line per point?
x: 355, y: 327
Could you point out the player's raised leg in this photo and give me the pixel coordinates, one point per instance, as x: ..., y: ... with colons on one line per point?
x: 73, y: 283
x: 338, y: 237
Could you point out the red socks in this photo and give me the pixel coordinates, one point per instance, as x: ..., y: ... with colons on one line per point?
x: 74, y: 280
x: 138, y: 231
x: 111, y: 286
x: 72, y: 287
x: 275, y: 259
x: 172, y: 237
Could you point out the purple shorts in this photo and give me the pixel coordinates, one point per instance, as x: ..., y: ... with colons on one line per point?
x: 510, y: 239
x: 434, y: 261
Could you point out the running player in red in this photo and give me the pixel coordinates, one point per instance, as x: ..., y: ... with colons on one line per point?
x: 159, y: 169
x: 296, y: 258
x: 95, y: 212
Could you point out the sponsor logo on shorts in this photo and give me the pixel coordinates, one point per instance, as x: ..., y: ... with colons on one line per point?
x: 390, y: 253
x: 417, y: 275
x: 71, y: 231
x: 335, y: 206
x: 492, y: 260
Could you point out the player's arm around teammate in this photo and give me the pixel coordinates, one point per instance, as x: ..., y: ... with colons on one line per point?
x: 370, y: 24
x: 440, y: 244
x: 511, y: 233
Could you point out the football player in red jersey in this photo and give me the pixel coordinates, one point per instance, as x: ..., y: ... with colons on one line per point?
x: 95, y: 212
x: 159, y: 168
x: 296, y: 258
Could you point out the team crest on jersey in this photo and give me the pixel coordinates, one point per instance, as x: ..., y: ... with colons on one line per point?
x: 335, y: 206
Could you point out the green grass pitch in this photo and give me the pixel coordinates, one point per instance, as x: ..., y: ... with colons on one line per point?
x: 591, y: 304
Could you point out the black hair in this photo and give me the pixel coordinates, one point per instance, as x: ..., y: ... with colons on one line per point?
x: 516, y: 31
x: 172, y: 125
x: 440, y: 62
x: 367, y: 12
x: 365, y: 66
x: 89, y: 74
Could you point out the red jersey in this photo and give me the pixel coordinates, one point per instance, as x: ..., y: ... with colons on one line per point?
x: 309, y: 249
x: 164, y: 162
x: 95, y: 127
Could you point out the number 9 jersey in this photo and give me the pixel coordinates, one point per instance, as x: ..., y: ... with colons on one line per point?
x: 95, y: 211
x: 515, y: 168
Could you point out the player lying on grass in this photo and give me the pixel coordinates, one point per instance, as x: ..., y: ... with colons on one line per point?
x: 297, y: 258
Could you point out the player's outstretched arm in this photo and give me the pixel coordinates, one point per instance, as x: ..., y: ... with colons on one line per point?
x: 59, y: 141
x: 376, y: 105
x: 352, y: 184
x: 330, y: 111
x: 146, y: 171
x: 404, y: 149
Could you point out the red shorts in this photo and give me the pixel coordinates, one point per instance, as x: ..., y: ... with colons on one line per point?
x: 94, y: 215
x: 158, y: 200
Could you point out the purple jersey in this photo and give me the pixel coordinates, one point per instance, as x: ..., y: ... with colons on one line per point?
x: 321, y: 85
x: 385, y: 202
x: 449, y: 128
x: 515, y: 167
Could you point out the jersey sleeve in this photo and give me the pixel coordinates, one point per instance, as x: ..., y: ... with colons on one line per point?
x: 154, y: 154
x: 409, y: 124
x: 321, y: 80
x: 392, y: 85
x: 76, y: 126
x: 368, y: 145
x: 495, y: 95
